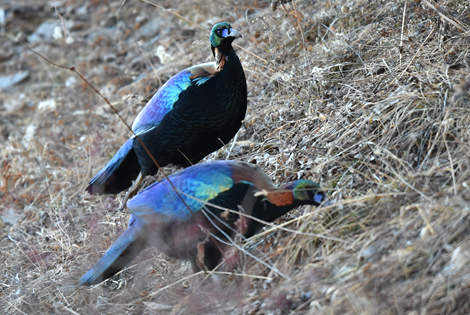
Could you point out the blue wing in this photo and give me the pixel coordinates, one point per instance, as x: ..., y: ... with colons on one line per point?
x: 202, y: 181
x: 163, y: 100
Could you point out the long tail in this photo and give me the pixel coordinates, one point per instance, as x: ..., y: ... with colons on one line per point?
x: 120, y: 254
x: 118, y: 174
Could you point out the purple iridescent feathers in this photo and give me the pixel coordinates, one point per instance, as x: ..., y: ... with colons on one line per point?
x: 196, y: 185
x: 194, y: 113
x: 162, y: 102
x: 182, y: 229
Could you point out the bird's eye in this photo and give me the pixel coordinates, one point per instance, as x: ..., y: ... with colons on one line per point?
x: 223, y: 32
x: 319, y: 197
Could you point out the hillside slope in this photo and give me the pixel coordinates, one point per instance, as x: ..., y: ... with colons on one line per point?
x: 369, y: 98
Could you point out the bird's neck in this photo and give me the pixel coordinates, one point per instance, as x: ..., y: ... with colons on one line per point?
x: 278, y: 211
x: 224, y: 57
x: 269, y: 212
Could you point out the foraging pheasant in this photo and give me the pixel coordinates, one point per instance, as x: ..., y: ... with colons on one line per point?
x: 191, y: 224
x: 194, y: 113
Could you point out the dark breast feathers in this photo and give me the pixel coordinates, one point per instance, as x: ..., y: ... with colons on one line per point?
x: 194, y: 113
x: 190, y: 132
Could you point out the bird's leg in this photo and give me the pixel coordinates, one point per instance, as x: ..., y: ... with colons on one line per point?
x: 232, y: 258
x: 242, y: 223
x: 195, y: 265
x: 201, y: 255
x: 132, y: 190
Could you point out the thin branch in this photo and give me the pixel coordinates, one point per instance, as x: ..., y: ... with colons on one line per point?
x: 456, y: 23
x: 234, y: 244
x: 273, y: 225
x: 414, y: 56
x: 452, y: 170
x: 402, y: 30
x: 341, y: 203
x: 89, y: 84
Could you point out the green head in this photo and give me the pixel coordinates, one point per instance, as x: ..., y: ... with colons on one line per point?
x: 222, y: 35
x: 307, y: 191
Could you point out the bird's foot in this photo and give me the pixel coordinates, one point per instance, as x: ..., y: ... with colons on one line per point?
x: 129, y: 195
x: 131, y: 192
x: 123, y: 203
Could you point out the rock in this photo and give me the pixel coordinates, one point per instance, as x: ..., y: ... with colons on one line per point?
x: 459, y: 259
x: 47, y: 105
x: 367, y: 253
x: 6, y: 54
x: 70, y: 82
x: 44, y: 31
x: 9, y: 80
x: 425, y: 233
x: 11, y: 217
x: 15, y: 103
x: 29, y: 135
x: 154, y: 307
x: 149, y: 29
x: 2, y: 17
x: 57, y: 33
x: 163, y: 55
x: 103, y: 33
x: 82, y: 10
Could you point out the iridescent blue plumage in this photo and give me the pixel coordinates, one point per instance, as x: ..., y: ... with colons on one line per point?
x: 194, y: 113
x: 203, y: 182
x: 182, y: 230
x: 162, y: 102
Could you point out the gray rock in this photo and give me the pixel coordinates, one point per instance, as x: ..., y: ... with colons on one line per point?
x: 11, y: 217
x: 149, y: 29
x: 9, y: 80
x: 2, y: 17
x: 44, y: 31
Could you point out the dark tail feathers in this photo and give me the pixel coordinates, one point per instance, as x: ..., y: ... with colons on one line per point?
x: 118, y: 173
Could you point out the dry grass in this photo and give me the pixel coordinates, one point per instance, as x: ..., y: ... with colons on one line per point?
x: 369, y: 98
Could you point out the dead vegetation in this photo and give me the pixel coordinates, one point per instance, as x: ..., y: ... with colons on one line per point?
x: 371, y: 99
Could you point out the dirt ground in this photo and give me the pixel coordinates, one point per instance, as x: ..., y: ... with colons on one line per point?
x: 369, y: 98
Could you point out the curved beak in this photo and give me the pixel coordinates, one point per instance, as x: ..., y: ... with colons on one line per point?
x: 234, y: 33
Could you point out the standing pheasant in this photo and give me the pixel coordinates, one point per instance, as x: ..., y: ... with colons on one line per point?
x: 191, y: 224
x: 194, y: 113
